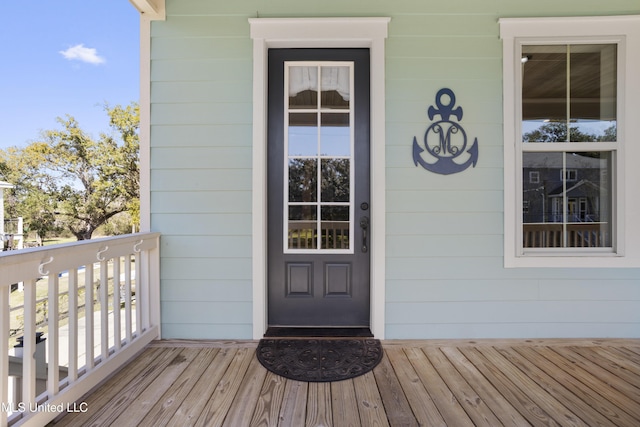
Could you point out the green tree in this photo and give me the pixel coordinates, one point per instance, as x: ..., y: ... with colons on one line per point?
x: 557, y: 132
x: 70, y: 181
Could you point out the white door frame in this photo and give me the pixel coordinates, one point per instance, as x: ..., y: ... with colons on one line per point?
x: 318, y: 33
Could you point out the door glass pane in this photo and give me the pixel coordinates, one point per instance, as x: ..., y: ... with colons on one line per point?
x: 335, y: 180
x: 303, y: 134
x: 303, y: 180
x: 303, y: 227
x: 303, y: 87
x: 335, y: 227
x: 335, y: 135
x: 570, y: 206
x: 336, y: 87
x: 319, y: 150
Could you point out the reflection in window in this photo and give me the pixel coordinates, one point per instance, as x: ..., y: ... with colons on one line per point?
x: 335, y: 135
x: 335, y: 86
x: 569, y: 93
x: 303, y: 134
x: 303, y: 176
x: 335, y: 227
x: 319, y: 155
x: 303, y: 227
x: 559, y: 212
x: 335, y: 180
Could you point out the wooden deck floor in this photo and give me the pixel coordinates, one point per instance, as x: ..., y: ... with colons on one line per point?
x: 430, y: 383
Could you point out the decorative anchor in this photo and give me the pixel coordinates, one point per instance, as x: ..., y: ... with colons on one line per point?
x: 445, y: 140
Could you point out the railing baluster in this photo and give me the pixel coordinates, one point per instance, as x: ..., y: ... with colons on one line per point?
x: 144, y: 292
x: 117, y: 341
x: 88, y: 316
x: 28, y: 390
x: 127, y: 299
x: 53, y: 377
x: 104, y: 310
x: 73, y: 325
x: 139, y: 300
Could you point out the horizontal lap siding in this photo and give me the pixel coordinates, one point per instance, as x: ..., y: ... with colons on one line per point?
x: 201, y: 174
x: 445, y: 275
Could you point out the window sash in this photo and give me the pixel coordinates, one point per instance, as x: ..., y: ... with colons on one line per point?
x: 523, y: 229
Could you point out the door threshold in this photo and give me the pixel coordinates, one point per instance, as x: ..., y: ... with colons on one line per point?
x: 288, y: 332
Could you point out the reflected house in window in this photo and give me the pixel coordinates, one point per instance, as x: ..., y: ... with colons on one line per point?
x: 573, y: 189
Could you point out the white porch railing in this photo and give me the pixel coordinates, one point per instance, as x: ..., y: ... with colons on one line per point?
x: 572, y: 235
x: 97, y: 304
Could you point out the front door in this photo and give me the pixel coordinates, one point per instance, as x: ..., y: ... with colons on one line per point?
x: 318, y: 188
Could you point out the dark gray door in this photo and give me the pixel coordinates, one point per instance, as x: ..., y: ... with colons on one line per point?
x: 318, y: 187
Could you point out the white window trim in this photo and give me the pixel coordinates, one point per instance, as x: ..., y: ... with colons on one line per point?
x: 626, y: 31
x: 319, y: 33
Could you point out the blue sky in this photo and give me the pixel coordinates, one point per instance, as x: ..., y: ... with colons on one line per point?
x: 65, y: 57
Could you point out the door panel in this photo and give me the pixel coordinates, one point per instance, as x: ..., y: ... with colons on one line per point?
x: 318, y: 187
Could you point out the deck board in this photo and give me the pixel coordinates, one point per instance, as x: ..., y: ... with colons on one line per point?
x: 294, y: 404
x: 424, y: 409
x: 483, y: 382
x: 343, y: 402
x: 498, y: 404
x: 177, y: 392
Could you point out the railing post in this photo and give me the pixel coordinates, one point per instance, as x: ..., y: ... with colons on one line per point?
x: 153, y: 278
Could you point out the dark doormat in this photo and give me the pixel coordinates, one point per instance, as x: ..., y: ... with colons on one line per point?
x: 319, y: 359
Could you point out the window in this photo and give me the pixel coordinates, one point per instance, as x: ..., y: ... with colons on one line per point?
x: 569, y: 174
x: 318, y: 149
x: 569, y: 133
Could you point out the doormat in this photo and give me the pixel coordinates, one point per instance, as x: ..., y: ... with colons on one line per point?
x: 319, y: 360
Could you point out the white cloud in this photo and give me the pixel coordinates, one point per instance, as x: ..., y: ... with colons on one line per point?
x: 84, y: 54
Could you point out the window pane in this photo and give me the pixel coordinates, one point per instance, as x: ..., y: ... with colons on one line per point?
x: 303, y: 87
x: 544, y: 93
x: 571, y: 204
x: 303, y: 134
x: 335, y: 86
x: 335, y: 135
x: 303, y: 180
x: 569, y: 93
x: 335, y: 227
x: 593, y: 92
x: 335, y: 180
x: 303, y: 227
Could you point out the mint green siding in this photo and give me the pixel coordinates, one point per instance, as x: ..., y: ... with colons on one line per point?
x: 444, y: 264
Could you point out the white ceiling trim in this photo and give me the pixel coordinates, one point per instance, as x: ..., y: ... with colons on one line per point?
x: 151, y: 9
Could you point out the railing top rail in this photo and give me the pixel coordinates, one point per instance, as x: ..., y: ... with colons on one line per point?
x: 32, y: 263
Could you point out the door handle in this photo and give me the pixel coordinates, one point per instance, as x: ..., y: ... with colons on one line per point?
x: 364, y: 224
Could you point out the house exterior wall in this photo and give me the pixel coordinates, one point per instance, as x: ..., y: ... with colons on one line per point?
x: 444, y: 233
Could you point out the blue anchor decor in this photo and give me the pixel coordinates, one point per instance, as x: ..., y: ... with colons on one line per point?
x: 445, y: 140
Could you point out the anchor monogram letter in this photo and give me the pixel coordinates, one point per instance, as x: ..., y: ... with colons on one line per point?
x: 445, y: 140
